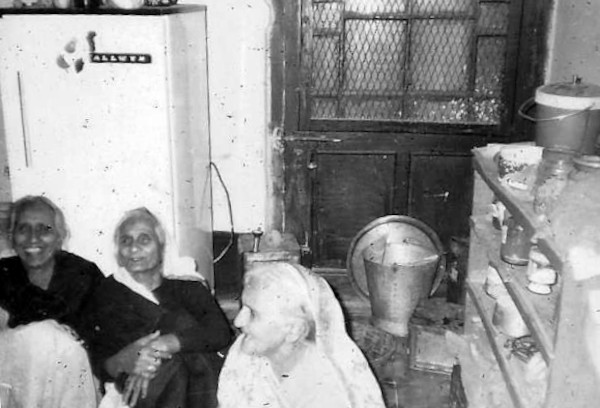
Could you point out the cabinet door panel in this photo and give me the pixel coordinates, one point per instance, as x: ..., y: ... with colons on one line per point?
x: 440, y: 191
x: 351, y: 189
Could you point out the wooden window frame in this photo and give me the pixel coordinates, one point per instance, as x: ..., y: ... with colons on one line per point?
x: 526, y: 48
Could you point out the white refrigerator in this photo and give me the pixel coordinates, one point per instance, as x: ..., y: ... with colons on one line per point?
x: 106, y: 112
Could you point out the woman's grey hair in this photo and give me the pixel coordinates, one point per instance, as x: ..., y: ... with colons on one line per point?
x: 30, y: 201
x: 289, y: 279
x: 142, y: 213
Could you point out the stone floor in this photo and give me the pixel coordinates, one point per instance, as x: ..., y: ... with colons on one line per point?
x: 404, y: 382
x: 418, y: 390
x: 405, y: 387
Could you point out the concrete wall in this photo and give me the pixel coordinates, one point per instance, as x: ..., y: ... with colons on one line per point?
x: 241, y: 135
x: 5, y: 193
x: 575, y: 42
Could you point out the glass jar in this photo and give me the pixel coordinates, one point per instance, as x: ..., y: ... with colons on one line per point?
x: 552, y: 177
x: 584, y: 166
x: 516, y: 243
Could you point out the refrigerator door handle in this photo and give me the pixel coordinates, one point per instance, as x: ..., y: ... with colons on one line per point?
x: 26, y: 143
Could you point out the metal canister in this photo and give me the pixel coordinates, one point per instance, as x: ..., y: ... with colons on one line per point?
x: 567, y: 115
x: 584, y: 166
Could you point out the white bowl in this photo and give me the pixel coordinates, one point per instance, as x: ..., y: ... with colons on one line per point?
x: 126, y: 4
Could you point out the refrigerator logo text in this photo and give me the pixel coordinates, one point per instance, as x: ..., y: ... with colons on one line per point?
x: 118, y: 58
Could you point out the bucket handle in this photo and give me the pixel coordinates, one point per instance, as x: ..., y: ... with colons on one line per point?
x: 441, y: 266
x: 528, y: 104
x: 439, y: 275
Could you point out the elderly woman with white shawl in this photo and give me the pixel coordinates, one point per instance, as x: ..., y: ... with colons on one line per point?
x: 157, y: 331
x: 294, y: 351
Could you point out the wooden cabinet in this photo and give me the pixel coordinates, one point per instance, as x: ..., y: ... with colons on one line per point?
x: 333, y: 189
x: 440, y: 190
x: 560, y: 372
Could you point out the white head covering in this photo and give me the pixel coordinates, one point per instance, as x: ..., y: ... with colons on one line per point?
x: 174, y: 265
x: 246, y: 380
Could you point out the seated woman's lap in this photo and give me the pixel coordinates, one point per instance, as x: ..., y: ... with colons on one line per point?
x: 46, y: 366
x: 183, y: 381
x: 204, y: 371
x: 168, y: 388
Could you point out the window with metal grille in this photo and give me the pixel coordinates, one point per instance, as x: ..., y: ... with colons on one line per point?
x: 404, y: 61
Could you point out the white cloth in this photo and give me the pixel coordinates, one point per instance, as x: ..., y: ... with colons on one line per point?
x: 112, y: 398
x: 122, y: 276
x: 314, y: 383
x: 336, y: 364
x: 174, y: 267
x: 183, y: 268
x: 46, y: 367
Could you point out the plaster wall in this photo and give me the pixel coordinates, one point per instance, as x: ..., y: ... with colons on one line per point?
x: 239, y: 86
x: 575, y: 42
x: 5, y: 193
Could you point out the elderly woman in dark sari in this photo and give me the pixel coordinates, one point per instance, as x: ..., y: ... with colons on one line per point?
x: 156, y: 338
x: 43, y: 290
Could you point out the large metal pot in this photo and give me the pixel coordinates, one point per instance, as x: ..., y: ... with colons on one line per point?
x: 394, y: 229
x: 567, y: 116
x: 399, y: 276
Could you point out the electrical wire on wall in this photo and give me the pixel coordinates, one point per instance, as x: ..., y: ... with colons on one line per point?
x: 232, y: 233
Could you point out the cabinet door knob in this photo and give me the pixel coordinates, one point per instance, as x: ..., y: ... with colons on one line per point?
x: 443, y: 195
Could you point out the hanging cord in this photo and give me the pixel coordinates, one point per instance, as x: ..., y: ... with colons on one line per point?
x: 232, y: 234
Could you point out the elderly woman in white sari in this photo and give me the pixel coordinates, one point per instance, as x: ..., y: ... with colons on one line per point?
x: 294, y: 351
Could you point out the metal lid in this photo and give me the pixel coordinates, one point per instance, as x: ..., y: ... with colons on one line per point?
x: 396, y: 228
x: 574, y: 95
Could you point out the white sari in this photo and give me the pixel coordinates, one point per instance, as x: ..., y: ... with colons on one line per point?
x: 335, y: 374
x: 46, y: 367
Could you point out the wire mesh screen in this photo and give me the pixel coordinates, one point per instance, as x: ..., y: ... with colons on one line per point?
x: 436, y: 61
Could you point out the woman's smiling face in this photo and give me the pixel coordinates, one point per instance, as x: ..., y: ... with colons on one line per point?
x: 139, y: 250
x: 35, y: 236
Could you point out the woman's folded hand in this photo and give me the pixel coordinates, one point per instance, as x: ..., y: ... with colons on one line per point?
x: 136, y: 387
x: 148, y: 362
x: 165, y: 346
x: 134, y: 358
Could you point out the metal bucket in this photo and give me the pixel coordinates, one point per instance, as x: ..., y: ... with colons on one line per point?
x: 399, y: 276
x: 567, y: 116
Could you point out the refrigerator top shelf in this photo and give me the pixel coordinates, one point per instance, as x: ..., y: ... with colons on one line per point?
x: 143, y: 11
